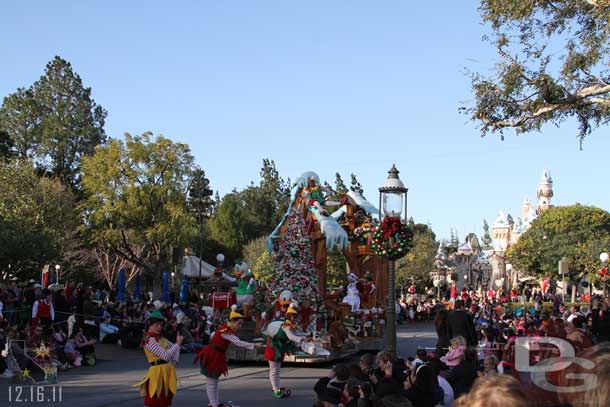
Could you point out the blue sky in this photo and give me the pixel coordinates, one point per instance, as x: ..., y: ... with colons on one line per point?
x: 341, y: 86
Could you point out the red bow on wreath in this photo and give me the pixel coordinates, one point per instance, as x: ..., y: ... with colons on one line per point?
x: 389, y: 226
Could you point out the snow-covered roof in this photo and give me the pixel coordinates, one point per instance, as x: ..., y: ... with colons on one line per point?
x: 484, y: 256
x: 501, y: 221
x: 465, y: 247
x: 333, y: 232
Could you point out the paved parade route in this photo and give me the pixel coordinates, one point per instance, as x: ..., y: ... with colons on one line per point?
x: 109, y: 382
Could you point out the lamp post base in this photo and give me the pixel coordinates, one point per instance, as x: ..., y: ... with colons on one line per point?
x: 390, y: 333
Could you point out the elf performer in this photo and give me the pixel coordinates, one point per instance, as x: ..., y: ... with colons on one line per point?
x: 280, y: 342
x: 159, y: 385
x: 213, y: 357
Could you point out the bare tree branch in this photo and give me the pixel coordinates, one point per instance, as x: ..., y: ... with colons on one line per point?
x: 585, y: 94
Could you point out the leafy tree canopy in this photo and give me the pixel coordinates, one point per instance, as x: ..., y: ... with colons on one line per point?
x: 554, y: 64
x: 417, y: 265
x: 255, y: 211
x: 256, y: 255
x: 37, y: 219
x: 487, y: 240
x: 579, y: 233
x: 136, y: 204
x: 55, y: 122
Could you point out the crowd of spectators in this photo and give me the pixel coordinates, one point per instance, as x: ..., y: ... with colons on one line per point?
x: 72, y: 319
x: 473, y: 363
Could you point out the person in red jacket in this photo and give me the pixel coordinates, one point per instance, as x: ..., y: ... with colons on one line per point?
x: 43, y: 312
x: 453, y: 293
x: 213, y: 357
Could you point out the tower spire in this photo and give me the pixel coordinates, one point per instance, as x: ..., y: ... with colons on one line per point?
x: 545, y: 192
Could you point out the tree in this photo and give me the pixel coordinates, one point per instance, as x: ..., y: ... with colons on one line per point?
x: 417, y: 265
x: 266, y: 203
x: 554, y: 64
x: 110, y: 264
x: 454, y: 242
x: 256, y: 255
x: 136, y: 204
x: 356, y: 187
x: 255, y: 211
x: 230, y: 225
x: 487, y: 241
x: 6, y: 146
x: 37, y: 219
x: 340, y: 186
x: 293, y: 267
x: 20, y: 118
x: 55, y: 122
x: 579, y: 233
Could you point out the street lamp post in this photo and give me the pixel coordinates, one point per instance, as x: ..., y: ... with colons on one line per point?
x: 392, y: 200
x: 201, y: 203
x: 57, y: 267
x: 564, y: 265
x: 603, y: 257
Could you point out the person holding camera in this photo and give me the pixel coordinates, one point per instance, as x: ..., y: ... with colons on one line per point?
x: 356, y: 395
x: 388, y: 380
x: 422, y: 388
x: 329, y: 390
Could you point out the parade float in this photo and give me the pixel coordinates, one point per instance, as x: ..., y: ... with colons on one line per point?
x: 341, y: 321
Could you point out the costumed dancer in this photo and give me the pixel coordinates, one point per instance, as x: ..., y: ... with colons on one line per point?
x: 352, y: 297
x: 245, y: 287
x: 159, y: 385
x: 213, y: 357
x: 281, y: 339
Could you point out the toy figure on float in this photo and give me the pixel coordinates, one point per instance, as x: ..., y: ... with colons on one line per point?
x: 246, y: 286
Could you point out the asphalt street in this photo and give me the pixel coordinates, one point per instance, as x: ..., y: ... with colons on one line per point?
x: 110, y: 382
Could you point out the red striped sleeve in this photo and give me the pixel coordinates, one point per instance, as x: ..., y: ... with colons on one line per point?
x: 156, y: 349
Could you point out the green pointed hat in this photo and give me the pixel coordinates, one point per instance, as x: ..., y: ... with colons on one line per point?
x: 156, y: 314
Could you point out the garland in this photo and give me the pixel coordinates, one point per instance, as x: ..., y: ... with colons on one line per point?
x: 392, y: 239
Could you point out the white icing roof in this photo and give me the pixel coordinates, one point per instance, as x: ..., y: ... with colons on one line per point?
x: 501, y: 220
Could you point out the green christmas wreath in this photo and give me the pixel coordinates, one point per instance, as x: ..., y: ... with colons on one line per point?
x: 392, y: 239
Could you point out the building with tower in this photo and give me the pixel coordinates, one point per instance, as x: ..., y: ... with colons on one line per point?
x: 506, y: 231
x: 545, y: 192
x: 472, y: 267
